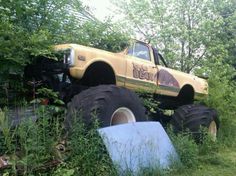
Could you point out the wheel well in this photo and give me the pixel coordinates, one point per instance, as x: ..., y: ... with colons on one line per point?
x: 186, y: 94
x: 99, y: 73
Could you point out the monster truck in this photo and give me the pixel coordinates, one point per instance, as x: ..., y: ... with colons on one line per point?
x: 94, y: 80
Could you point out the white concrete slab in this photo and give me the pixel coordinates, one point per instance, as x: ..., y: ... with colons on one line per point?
x: 134, y: 146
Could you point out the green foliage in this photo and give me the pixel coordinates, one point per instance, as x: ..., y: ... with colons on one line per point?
x: 35, y: 143
x: 5, y: 134
x: 30, y: 145
x: 228, y: 33
x: 228, y: 132
x: 193, y: 156
x: 88, y: 155
x: 178, y: 28
x: 17, y: 48
x: 48, y: 96
x: 222, y: 90
x: 186, y: 148
x: 188, y: 33
x: 222, y: 97
x: 30, y: 28
x: 109, y: 39
x: 149, y: 102
x: 63, y: 170
x: 100, y: 35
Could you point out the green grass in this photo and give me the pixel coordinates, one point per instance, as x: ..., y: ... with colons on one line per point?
x: 215, y: 159
x: 31, y: 145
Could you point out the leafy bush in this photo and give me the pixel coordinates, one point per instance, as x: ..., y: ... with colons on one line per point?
x: 222, y: 97
x: 87, y: 155
x: 222, y: 90
x: 227, y: 132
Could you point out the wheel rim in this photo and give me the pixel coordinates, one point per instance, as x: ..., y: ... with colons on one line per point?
x: 122, y: 115
x: 212, y: 130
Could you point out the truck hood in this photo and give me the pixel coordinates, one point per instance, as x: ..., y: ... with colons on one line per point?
x: 86, y: 49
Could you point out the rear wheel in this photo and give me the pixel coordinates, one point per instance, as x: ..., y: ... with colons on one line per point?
x: 112, y: 106
x: 193, y: 117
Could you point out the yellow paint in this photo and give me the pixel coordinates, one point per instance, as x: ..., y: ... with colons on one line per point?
x: 122, y: 65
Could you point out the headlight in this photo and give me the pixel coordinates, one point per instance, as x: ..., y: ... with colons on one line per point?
x: 69, y: 57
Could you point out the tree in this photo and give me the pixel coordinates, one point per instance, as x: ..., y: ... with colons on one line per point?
x: 228, y: 35
x: 182, y: 29
x: 30, y: 28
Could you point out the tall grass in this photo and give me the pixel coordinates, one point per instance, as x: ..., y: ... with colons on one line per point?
x: 31, y: 147
x: 88, y: 155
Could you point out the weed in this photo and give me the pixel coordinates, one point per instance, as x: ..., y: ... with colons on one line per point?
x: 6, y: 137
x: 88, y: 155
x: 227, y: 132
x: 30, y: 144
x: 186, y: 148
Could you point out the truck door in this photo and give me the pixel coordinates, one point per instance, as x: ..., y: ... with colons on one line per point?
x: 167, y: 84
x: 140, y: 70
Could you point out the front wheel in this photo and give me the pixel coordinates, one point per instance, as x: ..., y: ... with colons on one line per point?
x: 112, y: 105
x: 193, y: 117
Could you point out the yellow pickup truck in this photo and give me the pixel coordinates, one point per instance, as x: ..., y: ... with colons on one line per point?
x: 91, y: 79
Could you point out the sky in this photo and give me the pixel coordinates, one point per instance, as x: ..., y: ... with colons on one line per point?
x: 100, y: 8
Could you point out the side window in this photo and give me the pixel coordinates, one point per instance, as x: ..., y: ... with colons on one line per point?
x: 139, y: 50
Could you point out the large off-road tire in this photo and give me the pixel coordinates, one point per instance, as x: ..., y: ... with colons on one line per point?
x: 192, y: 117
x: 112, y: 105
